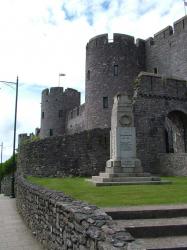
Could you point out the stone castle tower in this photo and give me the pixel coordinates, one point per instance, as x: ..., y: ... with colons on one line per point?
x: 54, y: 107
x: 111, y: 67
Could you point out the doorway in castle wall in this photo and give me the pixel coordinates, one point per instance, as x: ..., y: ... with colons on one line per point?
x: 176, y: 132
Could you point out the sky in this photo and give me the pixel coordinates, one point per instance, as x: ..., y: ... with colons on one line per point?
x: 42, y: 38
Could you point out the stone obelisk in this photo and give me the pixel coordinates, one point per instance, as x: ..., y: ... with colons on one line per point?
x: 123, y: 138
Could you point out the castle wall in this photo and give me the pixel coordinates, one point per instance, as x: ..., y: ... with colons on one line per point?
x: 76, y: 120
x: 83, y: 154
x: 54, y: 107
x: 156, y: 98
x: 167, y: 50
x: 111, y: 67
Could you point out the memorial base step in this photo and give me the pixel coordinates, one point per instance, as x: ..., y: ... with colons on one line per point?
x: 109, y: 175
x: 113, y: 180
x: 124, y: 179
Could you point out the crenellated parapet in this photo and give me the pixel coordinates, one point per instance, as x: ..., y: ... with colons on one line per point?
x: 169, y: 32
x: 76, y: 120
x: 23, y: 138
x: 103, y: 40
x: 157, y: 86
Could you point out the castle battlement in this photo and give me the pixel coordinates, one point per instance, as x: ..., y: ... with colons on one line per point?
x: 53, y: 91
x: 169, y: 32
x: 24, y: 137
x: 59, y: 91
x: 103, y: 40
x: 77, y: 111
x: 150, y: 84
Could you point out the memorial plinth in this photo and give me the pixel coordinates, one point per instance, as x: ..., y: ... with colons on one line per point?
x: 123, y: 167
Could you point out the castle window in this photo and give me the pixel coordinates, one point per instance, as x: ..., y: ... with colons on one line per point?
x: 71, y: 114
x: 77, y: 111
x: 42, y: 115
x: 88, y: 75
x: 60, y: 113
x: 155, y: 70
x: 115, y: 70
x: 50, y: 132
x: 105, y: 102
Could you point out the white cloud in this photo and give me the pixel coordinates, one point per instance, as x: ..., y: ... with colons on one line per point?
x: 38, y: 42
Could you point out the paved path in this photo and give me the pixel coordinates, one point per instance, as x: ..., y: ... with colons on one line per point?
x: 14, y: 235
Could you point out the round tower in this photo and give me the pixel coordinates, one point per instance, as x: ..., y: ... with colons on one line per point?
x: 55, y: 104
x: 111, y: 67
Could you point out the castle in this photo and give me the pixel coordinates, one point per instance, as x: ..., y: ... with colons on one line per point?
x: 153, y: 72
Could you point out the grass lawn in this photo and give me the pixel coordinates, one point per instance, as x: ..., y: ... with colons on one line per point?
x: 115, y: 196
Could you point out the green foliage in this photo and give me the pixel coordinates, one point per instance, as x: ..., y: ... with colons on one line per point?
x: 116, y: 196
x: 7, y: 167
x: 30, y: 139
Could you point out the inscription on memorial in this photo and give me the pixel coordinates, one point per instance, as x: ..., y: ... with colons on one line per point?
x: 126, y: 143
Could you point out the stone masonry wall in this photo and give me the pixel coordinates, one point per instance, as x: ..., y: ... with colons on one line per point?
x: 156, y: 98
x: 54, y: 107
x: 172, y: 164
x: 83, y: 154
x: 76, y: 120
x: 59, y: 222
x: 111, y: 67
x: 167, y: 50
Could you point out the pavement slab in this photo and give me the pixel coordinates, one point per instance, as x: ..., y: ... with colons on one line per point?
x: 14, y: 234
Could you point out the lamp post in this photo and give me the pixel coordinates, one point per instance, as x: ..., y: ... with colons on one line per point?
x: 14, y: 137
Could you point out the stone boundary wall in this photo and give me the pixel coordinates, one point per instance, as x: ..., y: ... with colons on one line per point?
x: 59, y: 222
x: 6, y: 185
x: 83, y: 154
x: 172, y: 164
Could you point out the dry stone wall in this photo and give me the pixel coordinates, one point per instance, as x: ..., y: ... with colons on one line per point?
x: 59, y: 222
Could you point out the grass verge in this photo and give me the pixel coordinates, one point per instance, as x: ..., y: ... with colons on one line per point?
x: 116, y: 196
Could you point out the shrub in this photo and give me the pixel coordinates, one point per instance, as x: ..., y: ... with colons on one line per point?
x: 8, y: 167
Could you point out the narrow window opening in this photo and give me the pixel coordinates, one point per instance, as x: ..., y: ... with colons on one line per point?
x: 77, y: 111
x: 105, y: 102
x: 42, y: 115
x: 105, y: 140
x: 167, y: 141
x: 115, y: 70
x: 71, y: 114
x: 155, y: 70
x: 50, y: 132
x: 60, y: 113
x: 88, y: 75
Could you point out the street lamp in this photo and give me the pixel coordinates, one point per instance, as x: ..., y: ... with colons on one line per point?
x: 12, y: 195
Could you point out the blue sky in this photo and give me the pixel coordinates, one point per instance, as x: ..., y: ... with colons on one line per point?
x: 40, y: 39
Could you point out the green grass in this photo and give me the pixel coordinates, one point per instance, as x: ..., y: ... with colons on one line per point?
x: 115, y: 196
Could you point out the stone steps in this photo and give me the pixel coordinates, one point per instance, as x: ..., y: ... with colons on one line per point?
x: 167, y: 243
x: 154, y: 228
